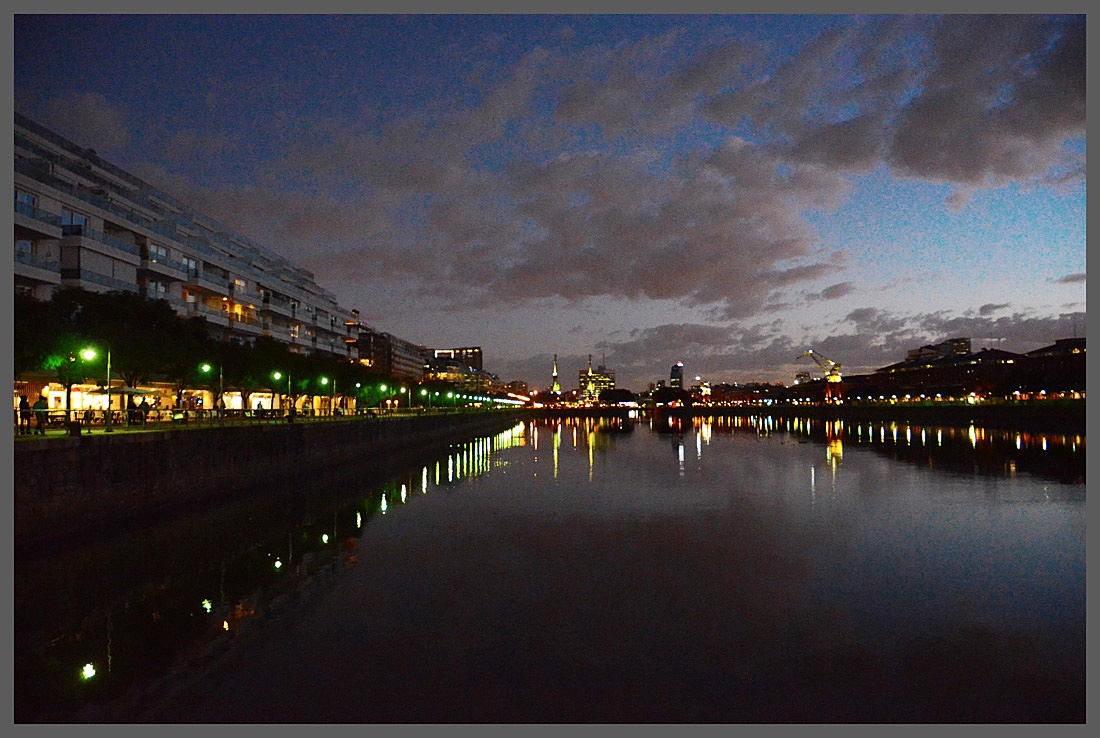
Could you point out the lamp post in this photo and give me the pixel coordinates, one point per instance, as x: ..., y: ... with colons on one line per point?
x: 89, y: 354
x: 279, y: 375
x: 220, y: 401
x: 410, y: 403
x: 332, y: 400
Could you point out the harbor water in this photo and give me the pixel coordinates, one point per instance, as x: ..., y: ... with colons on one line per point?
x: 731, y: 570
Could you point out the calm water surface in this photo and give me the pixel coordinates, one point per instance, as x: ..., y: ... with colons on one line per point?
x: 711, y: 571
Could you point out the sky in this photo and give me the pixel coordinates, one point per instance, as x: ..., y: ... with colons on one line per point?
x: 723, y: 190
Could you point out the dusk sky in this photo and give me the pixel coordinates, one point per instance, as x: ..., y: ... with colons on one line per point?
x: 726, y: 191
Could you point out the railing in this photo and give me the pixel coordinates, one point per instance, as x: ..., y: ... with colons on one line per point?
x: 86, y: 232
x: 49, y: 265
x: 30, y: 211
x: 133, y: 421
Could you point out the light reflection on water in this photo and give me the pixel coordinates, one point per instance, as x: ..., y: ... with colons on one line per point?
x: 725, y: 569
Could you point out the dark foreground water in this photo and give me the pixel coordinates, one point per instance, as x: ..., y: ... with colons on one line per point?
x: 592, y: 571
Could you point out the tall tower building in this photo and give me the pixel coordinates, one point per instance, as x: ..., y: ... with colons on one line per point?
x: 676, y: 376
x: 555, y: 385
x: 591, y: 383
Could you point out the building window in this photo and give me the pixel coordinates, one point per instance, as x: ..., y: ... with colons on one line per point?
x: 158, y: 253
x: 239, y: 285
x: 70, y: 218
x: 191, y: 266
x: 26, y: 198
x: 73, y: 223
x: 157, y: 290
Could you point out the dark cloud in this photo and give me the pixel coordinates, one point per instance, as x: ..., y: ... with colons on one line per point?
x: 766, y: 352
x: 1072, y: 279
x: 92, y: 119
x: 666, y: 168
x: 837, y: 291
x: 990, y: 308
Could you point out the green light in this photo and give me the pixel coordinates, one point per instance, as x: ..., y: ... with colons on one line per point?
x: 277, y: 375
x: 278, y: 564
x: 324, y: 538
x: 382, y: 388
x: 88, y: 671
x: 324, y: 380
x: 423, y: 392
x: 207, y: 605
x: 206, y: 368
x: 88, y: 354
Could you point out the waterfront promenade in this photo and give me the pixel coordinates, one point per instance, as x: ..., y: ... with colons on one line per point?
x: 69, y: 488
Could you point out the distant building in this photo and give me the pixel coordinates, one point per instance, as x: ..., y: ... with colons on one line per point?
x: 555, y: 385
x: 591, y: 382
x: 676, y: 376
x: 470, y: 356
x: 950, y: 347
x: 391, y: 356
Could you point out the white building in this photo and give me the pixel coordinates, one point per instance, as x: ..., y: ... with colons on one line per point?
x: 80, y: 221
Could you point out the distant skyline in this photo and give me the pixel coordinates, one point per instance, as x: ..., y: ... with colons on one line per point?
x: 726, y: 191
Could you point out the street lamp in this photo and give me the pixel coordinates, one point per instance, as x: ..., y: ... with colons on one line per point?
x: 89, y: 354
x: 279, y: 375
x: 410, y: 403
x: 332, y: 401
x: 206, y: 368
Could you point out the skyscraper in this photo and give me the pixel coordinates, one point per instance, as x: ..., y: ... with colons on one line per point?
x: 676, y: 376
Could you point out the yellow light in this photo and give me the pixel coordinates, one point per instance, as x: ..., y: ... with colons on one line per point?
x: 324, y: 538
x: 207, y: 605
x: 225, y: 625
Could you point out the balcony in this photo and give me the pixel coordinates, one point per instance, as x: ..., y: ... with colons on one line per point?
x: 87, y: 238
x: 37, y: 221
x: 31, y: 267
x: 165, y: 267
x: 212, y: 283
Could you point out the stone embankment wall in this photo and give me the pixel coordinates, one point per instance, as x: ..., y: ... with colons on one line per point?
x: 70, y: 487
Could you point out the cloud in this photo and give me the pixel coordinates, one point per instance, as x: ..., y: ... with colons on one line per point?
x: 668, y: 169
x: 91, y: 119
x: 990, y: 308
x: 837, y: 291
x: 716, y: 224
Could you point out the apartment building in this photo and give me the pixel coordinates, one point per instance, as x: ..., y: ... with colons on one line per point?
x: 82, y: 222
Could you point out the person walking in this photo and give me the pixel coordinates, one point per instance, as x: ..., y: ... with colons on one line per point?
x: 24, y: 416
x: 143, y: 410
x: 41, y: 415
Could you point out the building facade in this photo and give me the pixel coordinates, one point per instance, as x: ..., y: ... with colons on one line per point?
x: 389, y: 355
x: 470, y: 356
x: 591, y: 382
x: 82, y: 222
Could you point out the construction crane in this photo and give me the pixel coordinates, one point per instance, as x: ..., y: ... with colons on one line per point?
x: 832, y: 374
x: 830, y: 367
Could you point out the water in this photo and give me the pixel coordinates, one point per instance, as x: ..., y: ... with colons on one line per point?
x: 721, y: 570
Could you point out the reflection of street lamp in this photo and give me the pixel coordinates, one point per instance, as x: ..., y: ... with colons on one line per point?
x: 206, y: 368
x: 89, y: 354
